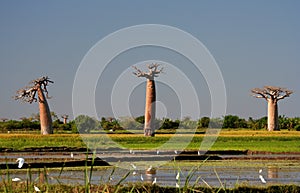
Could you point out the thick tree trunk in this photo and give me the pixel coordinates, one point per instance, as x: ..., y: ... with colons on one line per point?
x: 149, y: 129
x: 45, y: 116
x: 272, y: 115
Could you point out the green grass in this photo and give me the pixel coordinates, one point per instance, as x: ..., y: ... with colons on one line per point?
x: 140, y: 187
x: 285, y: 141
x: 21, y: 141
x: 271, y: 143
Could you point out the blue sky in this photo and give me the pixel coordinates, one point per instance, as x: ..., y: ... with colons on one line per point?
x: 254, y: 43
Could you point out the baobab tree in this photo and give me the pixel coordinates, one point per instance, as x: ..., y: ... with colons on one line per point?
x: 4, y: 119
x: 28, y: 94
x: 272, y: 94
x: 65, y: 118
x: 149, y: 125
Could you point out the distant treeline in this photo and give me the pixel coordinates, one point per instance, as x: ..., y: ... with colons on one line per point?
x: 86, y: 124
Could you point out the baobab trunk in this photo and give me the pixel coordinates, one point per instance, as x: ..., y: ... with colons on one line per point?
x: 272, y: 115
x: 149, y: 128
x: 45, y: 116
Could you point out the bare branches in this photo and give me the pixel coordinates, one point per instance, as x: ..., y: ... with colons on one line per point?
x: 271, y: 92
x: 43, y: 82
x: 65, y: 116
x: 138, y: 72
x: 153, y: 71
x: 259, y: 93
x: 26, y: 95
x: 29, y: 93
x: 285, y: 93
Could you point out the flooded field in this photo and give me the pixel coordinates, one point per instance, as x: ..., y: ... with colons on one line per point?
x: 229, y: 171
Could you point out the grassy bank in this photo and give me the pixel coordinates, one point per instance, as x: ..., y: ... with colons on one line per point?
x: 138, y: 187
x: 285, y: 141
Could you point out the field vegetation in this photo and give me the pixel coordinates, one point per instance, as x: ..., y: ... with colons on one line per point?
x: 281, y: 141
x: 86, y: 124
x: 235, y: 134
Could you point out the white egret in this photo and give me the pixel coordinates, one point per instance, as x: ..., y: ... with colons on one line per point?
x: 154, y: 181
x: 131, y: 151
x: 72, y: 155
x: 36, y: 189
x: 262, y: 179
x: 16, y: 179
x: 177, y: 176
x: 177, y: 185
x: 134, y: 167
x: 21, y: 162
x: 142, y: 177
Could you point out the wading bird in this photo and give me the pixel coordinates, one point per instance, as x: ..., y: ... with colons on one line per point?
x: 21, y: 162
x: 142, y: 177
x: 36, y: 189
x: 262, y: 179
x: 134, y: 167
x: 16, y: 179
x: 154, y: 181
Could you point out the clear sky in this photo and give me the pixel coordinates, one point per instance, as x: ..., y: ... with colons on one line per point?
x: 254, y: 43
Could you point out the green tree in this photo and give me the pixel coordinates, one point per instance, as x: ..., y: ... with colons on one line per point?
x: 203, y: 122
x: 85, y: 123
x: 188, y: 123
x: 170, y: 124
x: 263, y: 122
x: 230, y: 121
x: 140, y: 119
x: 216, y: 122
x: 130, y: 123
x: 110, y: 123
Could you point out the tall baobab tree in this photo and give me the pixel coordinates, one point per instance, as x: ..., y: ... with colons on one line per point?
x: 149, y: 125
x: 28, y: 94
x: 65, y: 118
x: 4, y: 119
x: 272, y: 94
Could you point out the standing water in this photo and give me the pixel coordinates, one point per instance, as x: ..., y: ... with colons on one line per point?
x: 211, y: 173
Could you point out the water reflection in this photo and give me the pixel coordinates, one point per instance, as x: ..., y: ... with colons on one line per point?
x: 272, y: 172
x: 230, y: 175
x: 149, y: 178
